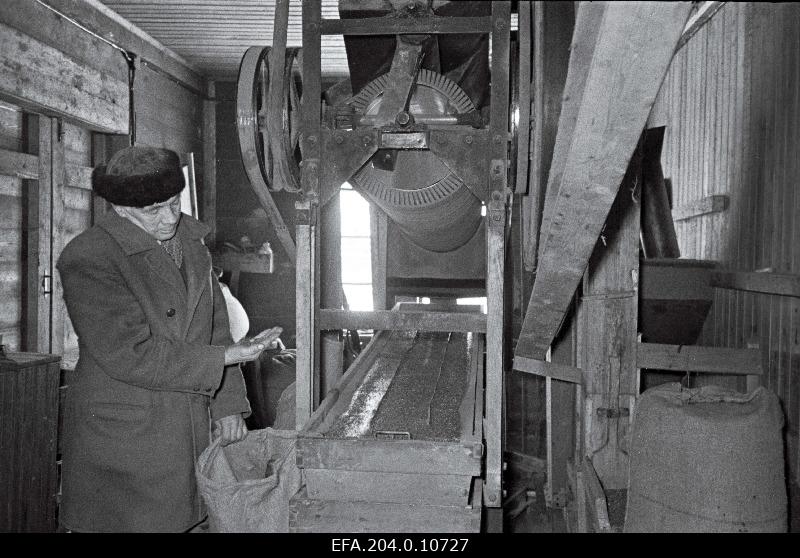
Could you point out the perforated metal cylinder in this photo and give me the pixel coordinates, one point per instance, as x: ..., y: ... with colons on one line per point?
x: 427, y: 200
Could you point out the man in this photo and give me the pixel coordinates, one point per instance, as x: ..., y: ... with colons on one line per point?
x: 156, y: 355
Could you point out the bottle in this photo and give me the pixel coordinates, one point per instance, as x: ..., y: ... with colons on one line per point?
x: 266, y: 250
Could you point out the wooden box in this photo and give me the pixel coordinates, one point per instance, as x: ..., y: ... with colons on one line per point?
x: 386, y: 448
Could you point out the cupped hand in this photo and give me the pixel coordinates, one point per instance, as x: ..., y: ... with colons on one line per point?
x: 249, y: 349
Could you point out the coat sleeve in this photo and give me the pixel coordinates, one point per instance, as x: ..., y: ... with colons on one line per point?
x: 113, y: 329
x: 231, y: 397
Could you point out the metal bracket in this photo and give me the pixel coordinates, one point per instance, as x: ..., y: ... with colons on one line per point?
x: 603, y: 412
x: 306, y: 215
x: 47, y: 284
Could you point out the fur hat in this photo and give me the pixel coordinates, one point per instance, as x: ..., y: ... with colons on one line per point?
x: 139, y: 176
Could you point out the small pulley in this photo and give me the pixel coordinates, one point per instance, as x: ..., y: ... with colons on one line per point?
x: 269, y: 137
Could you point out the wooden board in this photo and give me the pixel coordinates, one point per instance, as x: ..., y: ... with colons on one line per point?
x: 696, y: 358
x: 786, y: 284
x: 548, y: 369
x: 703, y: 206
x: 327, y: 516
x: 395, y: 456
x: 42, y: 79
x: 403, y: 488
x: 393, y: 320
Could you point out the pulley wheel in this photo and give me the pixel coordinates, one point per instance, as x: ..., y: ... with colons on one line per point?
x: 252, y: 114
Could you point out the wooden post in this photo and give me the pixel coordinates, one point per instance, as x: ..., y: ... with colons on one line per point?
x: 552, y: 27
x: 30, y: 264
x: 307, y: 237
x: 330, y: 291
x: 307, y: 359
x: 57, y: 231
x: 494, y: 420
x: 44, y: 273
x: 496, y: 221
x: 378, y: 245
x: 100, y: 145
x: 608, y: 333
x: 560, y: 402
x: 210, y: 164
x: 495, y: 245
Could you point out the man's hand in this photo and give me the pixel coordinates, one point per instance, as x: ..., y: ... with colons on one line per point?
x: 249, y: 349
x: 230, y: 429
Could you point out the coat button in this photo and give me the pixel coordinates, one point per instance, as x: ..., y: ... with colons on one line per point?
x: 170, y: 312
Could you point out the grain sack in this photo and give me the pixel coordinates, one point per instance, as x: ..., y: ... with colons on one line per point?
x: 247, y: 485
x: 706, y: 460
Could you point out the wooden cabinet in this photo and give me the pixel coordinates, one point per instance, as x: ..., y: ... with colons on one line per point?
x: 28, y: 441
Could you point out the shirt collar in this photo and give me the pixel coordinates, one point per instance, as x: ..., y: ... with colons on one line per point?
x: 133, y: 239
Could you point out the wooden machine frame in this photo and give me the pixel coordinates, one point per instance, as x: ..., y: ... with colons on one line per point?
x: 331, y: 156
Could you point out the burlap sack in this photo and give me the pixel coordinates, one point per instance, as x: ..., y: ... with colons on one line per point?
x: 706, y: 460
x: 247, y: 485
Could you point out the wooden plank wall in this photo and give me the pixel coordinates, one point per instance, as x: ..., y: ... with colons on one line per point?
x: 168, y: 114
x: 77, y: 203
x: 11, y: 245
x: 732, y: 106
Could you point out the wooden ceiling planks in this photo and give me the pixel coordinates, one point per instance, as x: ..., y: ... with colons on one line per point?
x: 214, y: 35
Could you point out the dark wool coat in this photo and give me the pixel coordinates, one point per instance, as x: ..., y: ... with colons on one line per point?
x: 150, y: 371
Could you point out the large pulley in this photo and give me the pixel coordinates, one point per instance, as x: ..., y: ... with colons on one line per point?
x: 268, y: 135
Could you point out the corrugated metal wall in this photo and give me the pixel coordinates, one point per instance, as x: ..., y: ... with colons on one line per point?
x: 732, y: 104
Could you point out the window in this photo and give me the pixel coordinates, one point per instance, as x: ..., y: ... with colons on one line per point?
x: 356, y: 249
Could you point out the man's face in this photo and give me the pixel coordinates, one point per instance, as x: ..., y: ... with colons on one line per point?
x: 159, y: 220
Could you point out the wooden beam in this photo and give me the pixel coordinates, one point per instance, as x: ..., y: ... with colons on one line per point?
x: 391, y: 25
x: 307, y: 312
x: 553, y: 24
x: 703, y: 206
x: 695, y: 358
x: 58, y: 315
x: 523, y: 87
x: 21, y: 165
x: 378, y: 243
x: 210, y: 164
x: 784, y: 284
x: 607, y: 317
x: 29, y: 265
x: 42, y: 79
x: 635, y: 43
x: 548, y: 369
x: 584, y: 40
x: 497, y: 212
x: 595, y: 497
x: 44, y: 274
x: 105, y: 22
x: 393, y: 320
x: 700, y: 17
